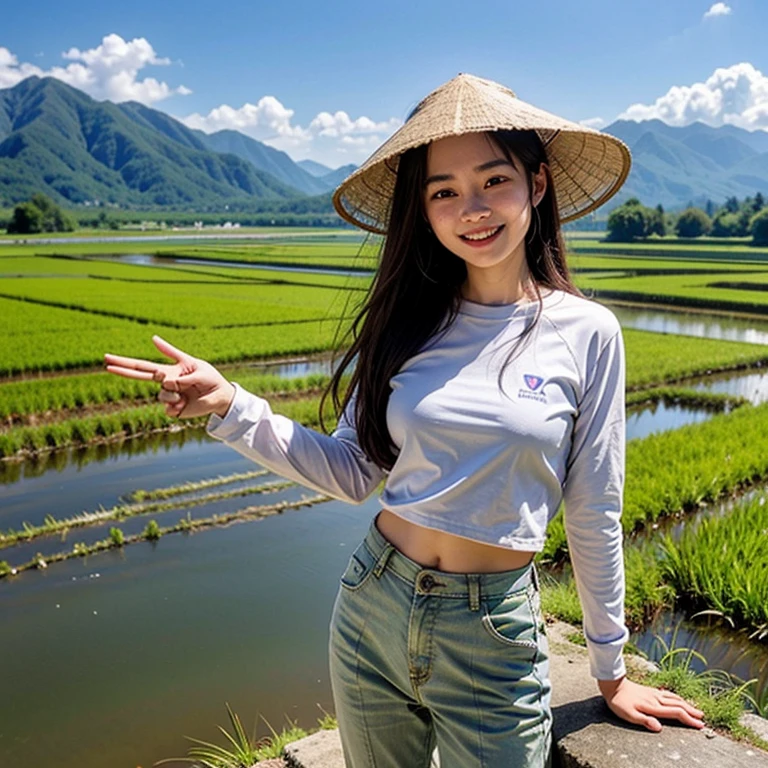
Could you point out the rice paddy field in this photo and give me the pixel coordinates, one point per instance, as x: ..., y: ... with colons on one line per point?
x: 289, y: 297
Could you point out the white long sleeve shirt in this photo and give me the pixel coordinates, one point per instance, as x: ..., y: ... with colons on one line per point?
x: 487, y: 463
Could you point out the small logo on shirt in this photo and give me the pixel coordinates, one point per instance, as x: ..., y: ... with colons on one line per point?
x: 532, y: 388
x: 533, y: 382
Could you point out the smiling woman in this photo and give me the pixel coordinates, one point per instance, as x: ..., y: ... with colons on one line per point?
x: 485, y: 390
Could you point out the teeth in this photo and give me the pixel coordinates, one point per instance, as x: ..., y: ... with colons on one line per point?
x: 482, y: 235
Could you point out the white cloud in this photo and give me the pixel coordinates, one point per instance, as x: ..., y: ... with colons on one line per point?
x: 340, y: 124
x: 718, y: 9
x: 594, y: 122
x: 266, y: 120
x: 11, y: 72
x: 735, y: 95
x: 109, y: 71
x: 329, y: 138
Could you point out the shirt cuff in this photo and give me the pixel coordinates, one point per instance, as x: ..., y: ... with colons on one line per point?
x: 606, y: 660
x: 244, y: 411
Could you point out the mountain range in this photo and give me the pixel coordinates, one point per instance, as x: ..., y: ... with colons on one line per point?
x: 675, y: 166
x: 58, y: 140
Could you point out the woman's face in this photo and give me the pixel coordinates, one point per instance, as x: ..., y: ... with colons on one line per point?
x: 478, y: 204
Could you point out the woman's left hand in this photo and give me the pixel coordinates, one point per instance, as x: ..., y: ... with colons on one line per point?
x: 641, y: 704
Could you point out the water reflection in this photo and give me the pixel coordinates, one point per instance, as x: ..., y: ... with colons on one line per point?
x: 726, y: 327
x: 146, y: 260
x: 68, y: 458
x: 752, y: 385
x: 660, y: 417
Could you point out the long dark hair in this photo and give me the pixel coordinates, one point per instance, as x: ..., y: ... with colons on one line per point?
x: 416, y: 291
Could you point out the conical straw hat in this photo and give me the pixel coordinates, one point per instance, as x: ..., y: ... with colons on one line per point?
x: 587, y: 166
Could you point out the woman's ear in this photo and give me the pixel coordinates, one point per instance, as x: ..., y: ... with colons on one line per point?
x: 539, y: 184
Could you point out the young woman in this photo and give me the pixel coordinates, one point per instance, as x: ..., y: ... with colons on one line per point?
x: 485, y: 390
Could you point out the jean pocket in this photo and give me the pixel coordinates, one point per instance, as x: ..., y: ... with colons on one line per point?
x: 359, y: 568
x: 512, y: 620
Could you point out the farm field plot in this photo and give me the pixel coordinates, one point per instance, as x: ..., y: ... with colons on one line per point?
x: 704, y: 249
x: 182, y: 304
x: 224, y: 314
x: 173, y: 295
x: 67, y: 266
x: 34, y: 351
x: 649, y: 264
x: 687, y: 290
x: 346, y: 255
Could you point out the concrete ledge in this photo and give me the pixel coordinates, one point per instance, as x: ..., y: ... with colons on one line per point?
x: 587, y: 733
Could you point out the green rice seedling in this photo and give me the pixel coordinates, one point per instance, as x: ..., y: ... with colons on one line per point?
x: 712, y: 401
x: 242, y: 515
x: 152, y: 532
x: 117, y: 537
x: 646, y: 592
x: 192, y: 486
x: 124, y: 511
x: 720, y: 563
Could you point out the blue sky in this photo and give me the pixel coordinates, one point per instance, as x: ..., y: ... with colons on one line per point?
x: 330, y: 80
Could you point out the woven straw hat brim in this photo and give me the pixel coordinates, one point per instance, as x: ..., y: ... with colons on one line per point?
x: 587, y: 166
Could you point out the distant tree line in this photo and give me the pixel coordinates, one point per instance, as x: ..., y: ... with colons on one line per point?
x: 635, y: 221
x: 39, y: 214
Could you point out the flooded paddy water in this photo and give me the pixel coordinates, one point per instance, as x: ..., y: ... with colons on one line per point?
x: 122, y: 653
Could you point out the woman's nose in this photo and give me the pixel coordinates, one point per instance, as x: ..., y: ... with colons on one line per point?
x: 476, y: 209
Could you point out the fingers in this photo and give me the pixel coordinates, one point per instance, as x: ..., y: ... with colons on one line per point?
x: 131, y: 367
x: 674, y: 713
x: 651, y: 723
x: 164, y: 396
x: 168, y: 349
x: 174, y: 403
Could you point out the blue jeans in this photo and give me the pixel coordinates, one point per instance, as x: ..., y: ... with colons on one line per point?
x: 420, y: 657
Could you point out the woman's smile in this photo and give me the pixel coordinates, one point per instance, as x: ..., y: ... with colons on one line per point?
x: 483, y: 237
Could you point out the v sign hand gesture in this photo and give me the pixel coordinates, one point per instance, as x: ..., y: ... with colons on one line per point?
x: 190, y: 387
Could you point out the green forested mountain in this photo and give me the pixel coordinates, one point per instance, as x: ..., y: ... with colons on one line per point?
x: 675, y: 166
x: 57, y: 140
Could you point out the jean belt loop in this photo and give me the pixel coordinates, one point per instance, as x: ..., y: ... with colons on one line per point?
x: 383, y: 559
x: 473, y: 582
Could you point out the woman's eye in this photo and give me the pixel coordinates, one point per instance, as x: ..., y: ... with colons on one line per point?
x: 494, y: 180
x: 441, y: 194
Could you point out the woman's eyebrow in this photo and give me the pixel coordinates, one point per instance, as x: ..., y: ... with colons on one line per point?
x: 478, y: 169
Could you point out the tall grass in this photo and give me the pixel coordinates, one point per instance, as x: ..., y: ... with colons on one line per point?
x: 721, y: 564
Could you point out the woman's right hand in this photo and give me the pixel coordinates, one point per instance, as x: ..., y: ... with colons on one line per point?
x: 190, y: 387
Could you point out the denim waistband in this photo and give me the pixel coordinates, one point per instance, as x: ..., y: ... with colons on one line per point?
x: 430, y: 581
